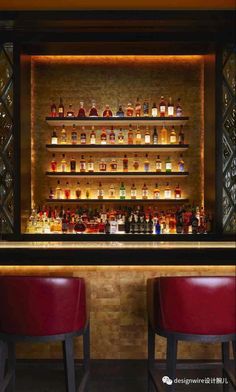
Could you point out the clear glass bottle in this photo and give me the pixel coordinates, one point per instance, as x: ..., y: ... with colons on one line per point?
x: 92, y: 136
x: 138, y: 136
x: 100, y: 191
x: 61, y: 109
x: 63, y: 135
x: 54, y: 138
x: 144, y: 192
x: 154, y: 110
x: 74, y: 136
x: 58, y: 192
x: 170, y: 108
x: 146, y: 164
x: 63, y: 163
x: 112, y: 192
x: 173, y: 138
x: 167, y: 191
x: 82, y: 164
x: 158, y: 164
x: 90, y: 164
x: 147, y: 136
x: 162, y: 107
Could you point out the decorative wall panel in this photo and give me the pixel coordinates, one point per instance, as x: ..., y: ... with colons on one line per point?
x: 6, y: 138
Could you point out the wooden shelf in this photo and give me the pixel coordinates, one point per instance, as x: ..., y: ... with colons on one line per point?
x: 117, y: 200
x: 116, y: 174
x: 114, y: 147
x: 115, y: 121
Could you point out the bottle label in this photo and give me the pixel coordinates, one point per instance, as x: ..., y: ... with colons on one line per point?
x: 158, y: 166
x: 122, y: 193
x: 103, y: 167
x: 112, y: 193
x: 145, y: 193
x: 181, y: 167
x: 147, y: 139
x: 168, y: 194
x: 168, y: 166
x: 74, y: 137
x: 100, y: 193
x: 82, y: 166
x: 63, y: 167
x: 156, y: 194
x: 54, y: 140
x: 172, y: 138
x: 178, y: 112
x: 154, y: 112
x: 170, y: 110
x: 133, y: 193
x: 146, y: 167
x: 162, y: 109
x: 90, y: 166
x: 92, y: 140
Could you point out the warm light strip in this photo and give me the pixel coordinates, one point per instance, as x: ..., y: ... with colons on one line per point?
x: 202, y: 131
x: 117, y: 58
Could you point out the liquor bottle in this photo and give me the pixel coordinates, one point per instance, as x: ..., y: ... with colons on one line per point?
x: 138, y: 108
x: 147, y: 136
x: 122, y: 191
x: 145, y: 109
x: 93, y: 111
x: 181, y: 164
x: 150, y: 225
x: 58, y: 191
x: 162, y: 107
x: 112, y: 192
x: 63, y: 135
x: 168, y: 165
x: 125, y: 164
x: 179, y: 222
x: 70, y: 112
x: 61, y: 109
x: 90, y: 165
x: 54, y: 138
x: 170, y: 109
x: 113, y: 225
x: 74, y: 136
x: 51, y: 194
x: 53, y: 110
x: 146, y: 164
x: 92, y: 136
x: 167, y: 191
x: 83, y: 136
x: 179, y: 110
x: 144, y: 192
x: 130, y: 135
x: 81, y: 112
x: 107, y: 112
x: 64, y: 226
x: 80, y: 226
x: 107, y: 227
x: 133, y: 192
x: 120, y: 112
x: 155, y: 136
x: 158, y: 164
x: 136, y: 162
x: 102, y: 165
x: 163, y: 135
x: 113, y: 165
x: 82, y: 164
x: 121, y: 137
x: 67, y: 191
x: 73, y: 165
x: 78, y: 191
x: 103, y: 136
x: 100, y: 191
x: 129, y: 110
x: 157, y: 227
x: 63, y: 163
x: 172, y: 135
x: 112, y: 136
x: 138, y: 136
x: 181, y: 135
x: 87, y: 191
x: 127, y: 224
x: 154, y: 110
x: 194, y: 223
x: 177, y: 192
x: 156, y: 192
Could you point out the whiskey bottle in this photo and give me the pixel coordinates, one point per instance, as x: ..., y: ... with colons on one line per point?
x: 100, y: 191
x: 121, y: 137
x: 122, y: 191
x: 112, y: 192
x: 163, y: 135
x: 133, y: 192
x: 120, y: 112
x: 146, y: 164
x: 145, y: 109
x: 155, y: 136
x: 179, y: 111
x: 58, y: 192
x: 113, y: 225
x: 107, y: 227
x: 63, y: 163
x: 181, y: 164
x: 125, y: 163
x: 156, y: 192
x: 102, y: 165
x: 138, y: 108
x: 167, y: 191
x: 51, y: 194
x: 177, y: 192
x: 112, y: 136
x: 53, y: 110
x: 73, y: 165
x: 154, y: 110
x: 168, y: 165
x: 78, y: 191
x: 129, y: 110
x: 138, y: 138
x: 147, y: 136
x: 172, y: 135
x: 92, y: 136
x: 74, y: 136
x: 83, y: 136
x: 170, y: 109
x: 103, y: 136
x: 150, y: 225
x: 130, y: 135
x: 70, y: 112
x: 107, y: 112
x: 54, y: 138
x: 181, y: 135
x: 113, y: 165
x: 90, y: 165
x: 162, y: 107
x: 81, y: 112
x: 144, y: 192
x: 63, y: 135
x: 61, y: 109
x: 82, y: 164
x: 87, y: 191
x: 158, y: 164
x: 93, y: 111
x: 67, y: 191
x: 136, y: 163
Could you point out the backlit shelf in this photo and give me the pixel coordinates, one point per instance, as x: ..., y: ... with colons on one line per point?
x: 114, y: 147
x: 182, y: 200
x: 116, y: 174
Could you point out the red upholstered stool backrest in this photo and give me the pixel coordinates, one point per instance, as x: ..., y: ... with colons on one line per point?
x: 195, y: 305
x: 41, y: 306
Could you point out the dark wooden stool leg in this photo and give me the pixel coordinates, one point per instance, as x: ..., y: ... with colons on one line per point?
x: 11, y: 366
x: 234, y: 349
x: 225, y: 362
x: 3, y: 355
x: 69, y: 365
x: 86, y: 352
x: 151, y: 355
x: 171, y: 361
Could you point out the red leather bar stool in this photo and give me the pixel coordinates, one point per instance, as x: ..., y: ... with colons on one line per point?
x: 201, y: 309
x: 44, y: 309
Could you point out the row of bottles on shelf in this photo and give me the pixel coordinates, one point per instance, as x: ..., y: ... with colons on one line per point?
x: 136, y: 220
x: 163, y: 109
x: 162, y: 136
x: 113, y: 165
x: 78, y: 192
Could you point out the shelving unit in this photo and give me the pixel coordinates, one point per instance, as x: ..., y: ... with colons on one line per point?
x: 109, y: 147
x: 117, y: 200
x: 117, y: 174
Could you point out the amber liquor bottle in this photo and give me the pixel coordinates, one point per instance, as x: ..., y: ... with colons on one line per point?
x: 107, y: 112
x: 82, y: 164
x: 93, y: 136
x: 53, y: 164
x: 170, y: 108
x: 138, y: 108
x: 53, y: 110
x: 181, y: 135
x: 125, y: 164
x: 162, y: 107
x: 130, y: 135
x: 61, y: 109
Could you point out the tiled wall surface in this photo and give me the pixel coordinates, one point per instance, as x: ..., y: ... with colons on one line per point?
x: 118, y: 311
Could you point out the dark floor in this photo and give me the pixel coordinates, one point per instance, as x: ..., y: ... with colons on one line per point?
x: 106, y: 376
